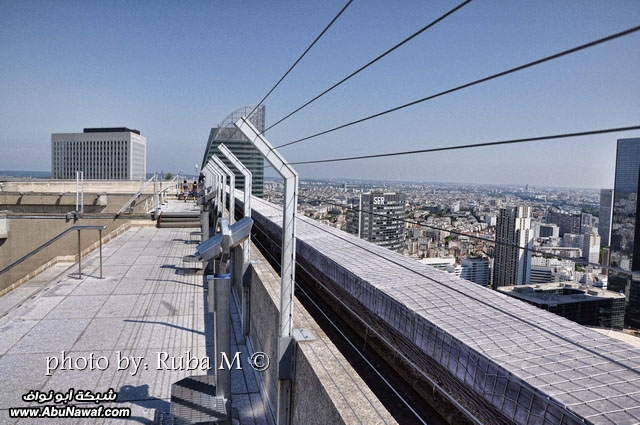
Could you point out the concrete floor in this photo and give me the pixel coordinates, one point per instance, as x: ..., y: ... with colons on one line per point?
x: 147, y: 303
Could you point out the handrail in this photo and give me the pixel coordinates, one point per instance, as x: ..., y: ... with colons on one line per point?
x: 157, y: 194
x: 55, y: 238
x: 134, y: 197
x: 169, y: 183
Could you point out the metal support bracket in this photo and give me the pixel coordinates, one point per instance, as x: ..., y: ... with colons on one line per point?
x: 287, y: 351
x: 286, y: 357
x: 304, y: 334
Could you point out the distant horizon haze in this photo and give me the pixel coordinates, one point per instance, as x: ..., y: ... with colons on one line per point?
x: 47, y: 175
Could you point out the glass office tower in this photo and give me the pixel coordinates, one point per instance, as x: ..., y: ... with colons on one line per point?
x: 625, y: 232
x: 226, y: 134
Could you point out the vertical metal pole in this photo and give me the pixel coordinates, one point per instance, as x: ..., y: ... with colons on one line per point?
x: 218, y: 203
x: 214, y: 202
x: 100, y: 231
x: 77, y: 190
x: 79, y: 257
x: 232, y: 198
x: 155, y: 193
x: 288, y: 255
x: 82, y: 192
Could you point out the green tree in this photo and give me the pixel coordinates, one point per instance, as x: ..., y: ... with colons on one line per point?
x: 169, y: 176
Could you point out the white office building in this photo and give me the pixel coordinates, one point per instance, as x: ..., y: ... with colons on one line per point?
x: 100, y: 153
x: 440, y: 263
x: 591, y: 247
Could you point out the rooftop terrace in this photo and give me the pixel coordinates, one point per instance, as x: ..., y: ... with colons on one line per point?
x: 151, y: 302
x: 147, y: 304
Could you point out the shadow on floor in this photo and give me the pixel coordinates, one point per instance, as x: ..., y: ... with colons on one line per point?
x: 166, y: 324
x: 174, y: 281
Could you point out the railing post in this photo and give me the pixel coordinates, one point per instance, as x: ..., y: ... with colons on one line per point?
x: 100, y: 231
x: 155, y: 193
x: 79, y: 257
x: 77, y: 191
x: 82, y: 192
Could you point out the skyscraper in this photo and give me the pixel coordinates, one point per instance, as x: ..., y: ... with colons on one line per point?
x: 625, y: 229
x: 512, y: 265
x: 241, y: 147
x: 606, y: 209
x: 377, y: 221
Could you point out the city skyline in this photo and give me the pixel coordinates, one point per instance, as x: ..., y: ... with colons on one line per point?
x: 166, y: 78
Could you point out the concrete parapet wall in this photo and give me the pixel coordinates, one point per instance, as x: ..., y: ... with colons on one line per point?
x: 61, y: 203
x: 90, y: 186
x: 326, y: 389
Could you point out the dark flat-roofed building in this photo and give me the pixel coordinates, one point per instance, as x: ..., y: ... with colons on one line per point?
x: 587, y: 306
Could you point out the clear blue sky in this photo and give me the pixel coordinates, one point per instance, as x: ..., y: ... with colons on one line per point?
x: 175, y: 69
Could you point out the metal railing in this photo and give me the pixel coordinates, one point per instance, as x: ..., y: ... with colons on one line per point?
x: 55, y: 238
x: 134, y: 197
x: 162, y: 193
